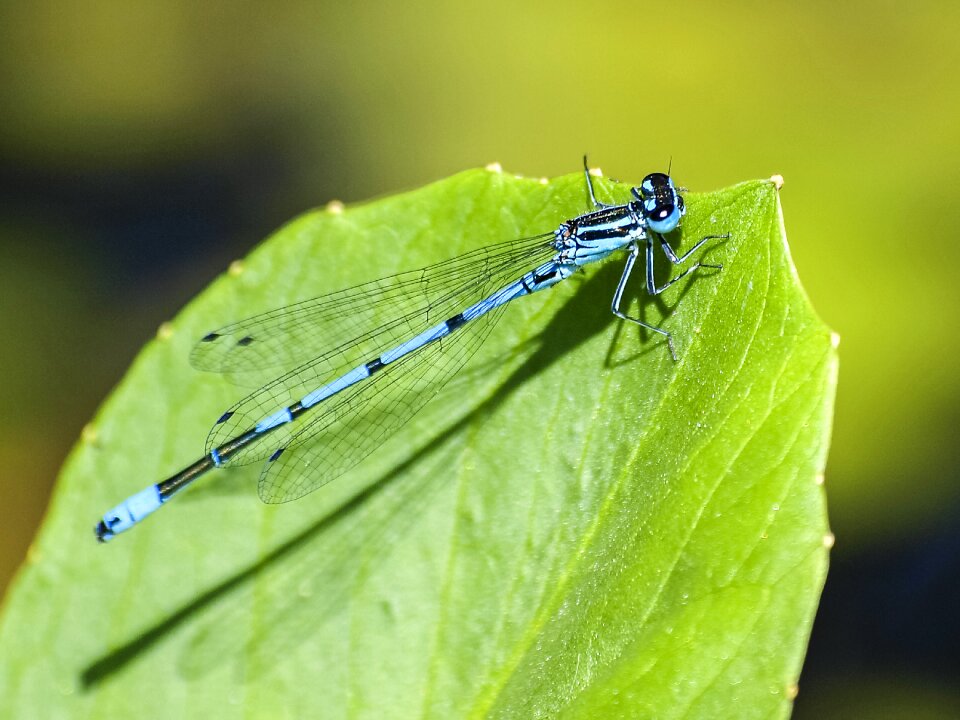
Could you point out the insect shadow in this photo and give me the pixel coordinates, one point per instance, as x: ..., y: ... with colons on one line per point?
x: 386, y: 506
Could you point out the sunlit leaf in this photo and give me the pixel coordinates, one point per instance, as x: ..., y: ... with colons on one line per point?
x: 577, y: 527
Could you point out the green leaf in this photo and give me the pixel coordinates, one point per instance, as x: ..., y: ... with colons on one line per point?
x: 577, y: 527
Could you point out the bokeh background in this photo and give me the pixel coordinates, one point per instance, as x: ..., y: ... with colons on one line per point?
x: 144, y: 145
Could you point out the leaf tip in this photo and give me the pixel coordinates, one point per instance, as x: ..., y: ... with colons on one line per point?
x: 791, y: 691
x: 835, y: 339
x: 334, y: 207
x: 829, y: 540
x: 236, y: 268
x: 494, y: 167
x: 777, y: 181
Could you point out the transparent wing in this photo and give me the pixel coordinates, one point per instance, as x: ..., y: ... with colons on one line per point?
x: 356, y: 425
x: 262, y: 347
x: 350, y: 425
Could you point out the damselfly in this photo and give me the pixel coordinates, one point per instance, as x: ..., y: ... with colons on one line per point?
x: 353, y: 366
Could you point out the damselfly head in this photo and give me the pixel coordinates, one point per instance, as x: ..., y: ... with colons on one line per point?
x: 660, y: 203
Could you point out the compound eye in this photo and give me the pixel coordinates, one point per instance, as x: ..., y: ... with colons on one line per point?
x: 648, y: 188
x: 663, y: 218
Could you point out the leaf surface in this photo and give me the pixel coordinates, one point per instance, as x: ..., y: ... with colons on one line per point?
x: 577, y: 527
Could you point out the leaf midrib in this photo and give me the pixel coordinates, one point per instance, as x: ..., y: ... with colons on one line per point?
x: 487, y: 701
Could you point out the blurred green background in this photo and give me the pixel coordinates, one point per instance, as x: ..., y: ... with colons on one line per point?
x: 145, y: 145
